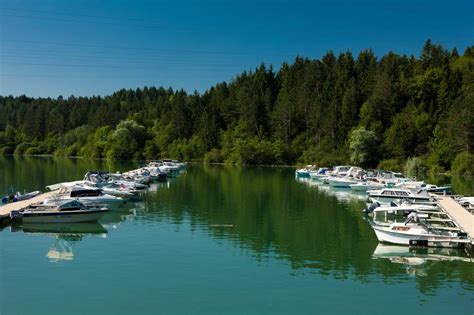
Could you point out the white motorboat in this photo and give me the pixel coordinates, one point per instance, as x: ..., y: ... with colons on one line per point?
x: 353, y: 176
x: 344, y: 182
x: 467, y: 202
x: 118, y: 190
x: 170, y: 166
x: 125, y: 181
x: 87, y: 196
x: 181, y: 165
x: 388, y: 195
x: 304, y: 172
x: 403, y: 209
x: 154, y: 169
x: 71, y: 211
x: 420, y: 185
x: 419, y: 234
x: 417, y: 225
x: 319, y: 174
x: 340, y: 170
x: 393, y: 178
x: 367, y: 185
x: 174, y: 163
x: 337, y: 172
x: 109, y: 188
x: 446, y: 189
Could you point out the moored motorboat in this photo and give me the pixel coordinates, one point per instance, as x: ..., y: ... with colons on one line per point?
x: 366, y: 185
x: 437, y: 189
x: 319, y: 174
x: 418, y: 234
x: 304, y: 172
x: 66, y: 212
x: 388, y: 195
x: 344, y: 182
x: 85, y: 195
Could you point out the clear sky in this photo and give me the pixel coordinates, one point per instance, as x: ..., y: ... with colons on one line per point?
x: 90, y: 47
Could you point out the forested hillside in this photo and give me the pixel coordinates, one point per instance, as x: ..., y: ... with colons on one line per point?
x: 368, y: 109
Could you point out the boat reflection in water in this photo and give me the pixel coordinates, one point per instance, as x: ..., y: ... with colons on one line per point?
x: 343, y: 195
x: 417, y: 260
x: 114, y: 219
x: 65, y: 236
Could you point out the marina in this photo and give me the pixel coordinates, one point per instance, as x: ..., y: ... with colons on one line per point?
x: 212, y: 233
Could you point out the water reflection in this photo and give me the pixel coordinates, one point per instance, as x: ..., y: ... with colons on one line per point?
x: 417, y: 261
x: 343, y: 195
x: 65, y: 236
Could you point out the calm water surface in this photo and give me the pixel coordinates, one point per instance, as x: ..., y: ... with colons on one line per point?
x: 220, y: 240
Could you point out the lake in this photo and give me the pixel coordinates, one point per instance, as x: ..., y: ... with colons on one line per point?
x: 220, y: 240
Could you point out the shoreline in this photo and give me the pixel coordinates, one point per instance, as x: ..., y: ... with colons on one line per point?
x: 448, y: 173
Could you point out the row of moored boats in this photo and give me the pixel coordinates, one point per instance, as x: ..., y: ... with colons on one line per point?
x: 99, y: 192
x: 403, y: 211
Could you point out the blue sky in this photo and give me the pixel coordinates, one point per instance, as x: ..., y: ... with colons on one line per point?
x: 51, y: 48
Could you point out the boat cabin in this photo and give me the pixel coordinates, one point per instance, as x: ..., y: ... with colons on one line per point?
x: 394, y: 192
x: 85, y: 192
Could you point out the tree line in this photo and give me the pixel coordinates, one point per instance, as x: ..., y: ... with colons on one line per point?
x: 338, y: 109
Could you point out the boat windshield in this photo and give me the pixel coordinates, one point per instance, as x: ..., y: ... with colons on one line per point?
x: 85, y: 193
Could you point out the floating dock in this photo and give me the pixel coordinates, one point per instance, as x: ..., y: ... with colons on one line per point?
x: 9, y: 207
x: 462, y: 217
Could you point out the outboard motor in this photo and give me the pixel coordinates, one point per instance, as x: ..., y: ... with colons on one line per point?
x: 16, y: 215
x: 372, y: 207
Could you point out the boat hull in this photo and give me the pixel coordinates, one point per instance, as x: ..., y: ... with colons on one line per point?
x: 386, y: 236
x: 359, y: 188
x: 62, y: 216
x: 111, y: 203
x: 302, y: 174
x: 340, y: 183
x: 440, y: 190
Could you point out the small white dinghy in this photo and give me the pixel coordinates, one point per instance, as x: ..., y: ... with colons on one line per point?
x: 71, y: 211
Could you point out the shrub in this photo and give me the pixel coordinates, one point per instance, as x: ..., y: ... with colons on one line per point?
x: 34, y: 151
x: 254, y: 151
x: 463, y: 164
x: 213, y: 156
x: 73, y: 150
x: 415, y: 167
x: 324, y: 155
x: 4, y: 151
x: 21, y: 148
x: 393, y: 165
x: 363, y: 146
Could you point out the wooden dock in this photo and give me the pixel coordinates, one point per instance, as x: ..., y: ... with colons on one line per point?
x: 8, y: 208
x: 462, y: 217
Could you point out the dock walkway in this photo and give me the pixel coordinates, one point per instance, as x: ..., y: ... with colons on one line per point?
x: 460, y: 215
x: 8, y: 208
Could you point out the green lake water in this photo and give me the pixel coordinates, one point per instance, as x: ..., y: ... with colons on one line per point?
x: 221, y: 240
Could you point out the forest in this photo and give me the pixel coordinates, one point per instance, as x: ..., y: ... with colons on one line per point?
x: 364, y: 110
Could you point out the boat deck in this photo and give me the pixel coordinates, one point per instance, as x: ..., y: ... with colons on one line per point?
x: 8, y: 208
x: 459, y: 215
